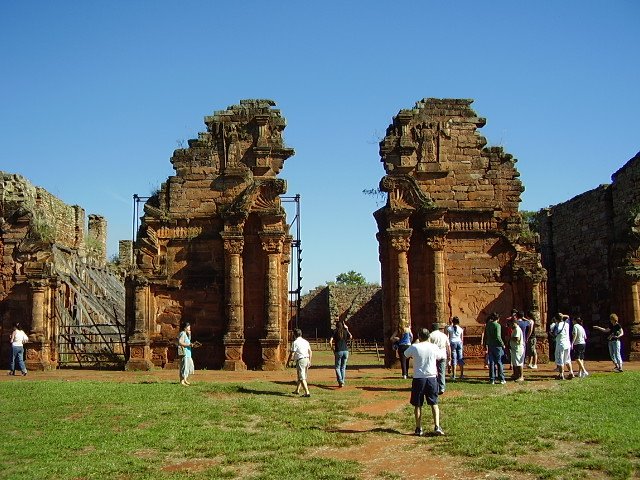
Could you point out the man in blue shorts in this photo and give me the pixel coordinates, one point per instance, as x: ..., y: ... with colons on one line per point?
x: 425, y: 384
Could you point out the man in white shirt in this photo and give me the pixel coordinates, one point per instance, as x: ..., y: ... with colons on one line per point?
x: 441, y: 340
x: 301, y: 354
x: 424, y: 384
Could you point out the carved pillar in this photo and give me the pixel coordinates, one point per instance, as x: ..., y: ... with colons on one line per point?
x: 37, y: 350
x: 439, y: 299
x: 401, y: 311
x: 234, y: 338
x: 139, y: 349
x: 272, y: 246
x: 634, y: 322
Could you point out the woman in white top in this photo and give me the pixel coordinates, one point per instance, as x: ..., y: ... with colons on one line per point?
x: 560, y: 331
x: 456, y: 333
x: 578, y: 345
x: 18, y: 339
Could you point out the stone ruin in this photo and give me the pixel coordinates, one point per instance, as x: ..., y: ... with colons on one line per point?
x: 591, y: 248
x: 213, y: 249
x: 54, y: 281
x: 451, y: 239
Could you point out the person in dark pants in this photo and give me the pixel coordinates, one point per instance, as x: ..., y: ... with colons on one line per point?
x: 402, y: 342
x: 425, y: 384
x: 495, y: 349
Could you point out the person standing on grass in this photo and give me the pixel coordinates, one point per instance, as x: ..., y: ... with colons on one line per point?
x: 615, y: 332
x: 18, y: 339
x: 516, y: 344
x: 184, y: 354
x: 495, y: 348
x: 425, y: 384
x: 578, y: 345
x: 402, y: 341
x: 340, y: 344
x: 455, y: 333
x: 440, y: 340
x: 531, y: 345
x: 559, y: 330
x: 300, y: 354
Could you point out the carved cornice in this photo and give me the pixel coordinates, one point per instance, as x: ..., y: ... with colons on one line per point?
x: 404, y: 192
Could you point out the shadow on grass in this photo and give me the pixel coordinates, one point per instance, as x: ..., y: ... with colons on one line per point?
x: 370, y: 430
x: 262, y: 392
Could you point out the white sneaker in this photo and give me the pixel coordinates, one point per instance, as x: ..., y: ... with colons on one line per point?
x: 585, y: 374
x: 535, y: 367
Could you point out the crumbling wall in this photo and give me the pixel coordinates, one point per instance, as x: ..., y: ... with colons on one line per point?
x: 591, y: 249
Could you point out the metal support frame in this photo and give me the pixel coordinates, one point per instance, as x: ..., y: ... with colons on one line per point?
x: 295, y: 273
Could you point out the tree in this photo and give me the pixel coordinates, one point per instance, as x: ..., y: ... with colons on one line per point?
x: 351, y: 278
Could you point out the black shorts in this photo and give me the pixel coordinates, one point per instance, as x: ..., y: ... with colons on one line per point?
x: 422, y: 388
x: 578, y: 351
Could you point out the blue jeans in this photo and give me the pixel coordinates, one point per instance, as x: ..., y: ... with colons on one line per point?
x: 17, y: 354
x: 495, y: 361
x: 456, y: 354
x: 341, y: 365
x: 614, y: 352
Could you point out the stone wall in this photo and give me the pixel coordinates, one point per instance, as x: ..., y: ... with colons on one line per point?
x: 591, y: 248
x: 50, y: 218
x: 359, y: 305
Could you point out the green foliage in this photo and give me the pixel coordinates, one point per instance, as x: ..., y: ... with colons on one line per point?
x: 351, y: 278
x: 41, y: 229
x: 530, y: 232
x: 94, y: 248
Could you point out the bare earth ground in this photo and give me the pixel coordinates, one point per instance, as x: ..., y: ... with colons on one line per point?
x: 388, y: 456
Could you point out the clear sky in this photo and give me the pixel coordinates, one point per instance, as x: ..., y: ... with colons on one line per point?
x: 96, y: 95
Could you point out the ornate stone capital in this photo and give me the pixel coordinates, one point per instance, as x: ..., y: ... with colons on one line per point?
x: 272, y: 242
x: 437, y: 243
x: 233, y: 244
x: 400, y: 241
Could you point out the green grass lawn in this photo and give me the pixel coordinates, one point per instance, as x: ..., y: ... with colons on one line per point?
x: 92, y: 430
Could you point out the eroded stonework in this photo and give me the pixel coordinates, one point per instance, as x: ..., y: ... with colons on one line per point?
x: 591, y: 248
x: 451, y: 239
x: 213, y: 248
x: 54, y: 280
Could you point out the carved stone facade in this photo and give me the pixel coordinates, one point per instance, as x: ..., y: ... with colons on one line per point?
x: 213, y: 248
x: 591, y: 248
x: 450, y: 236
x: 51, y: 282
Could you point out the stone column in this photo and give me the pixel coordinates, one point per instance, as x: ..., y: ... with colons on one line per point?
x: 401, y: 313
x: 439, y: 298
x: 634, y: 322
x: 139, y: 347
x: 234, y: 338
x: 37, y: 350
x: 270, y: 344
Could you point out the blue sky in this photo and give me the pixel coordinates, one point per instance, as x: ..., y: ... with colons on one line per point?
x: 95, y: 96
